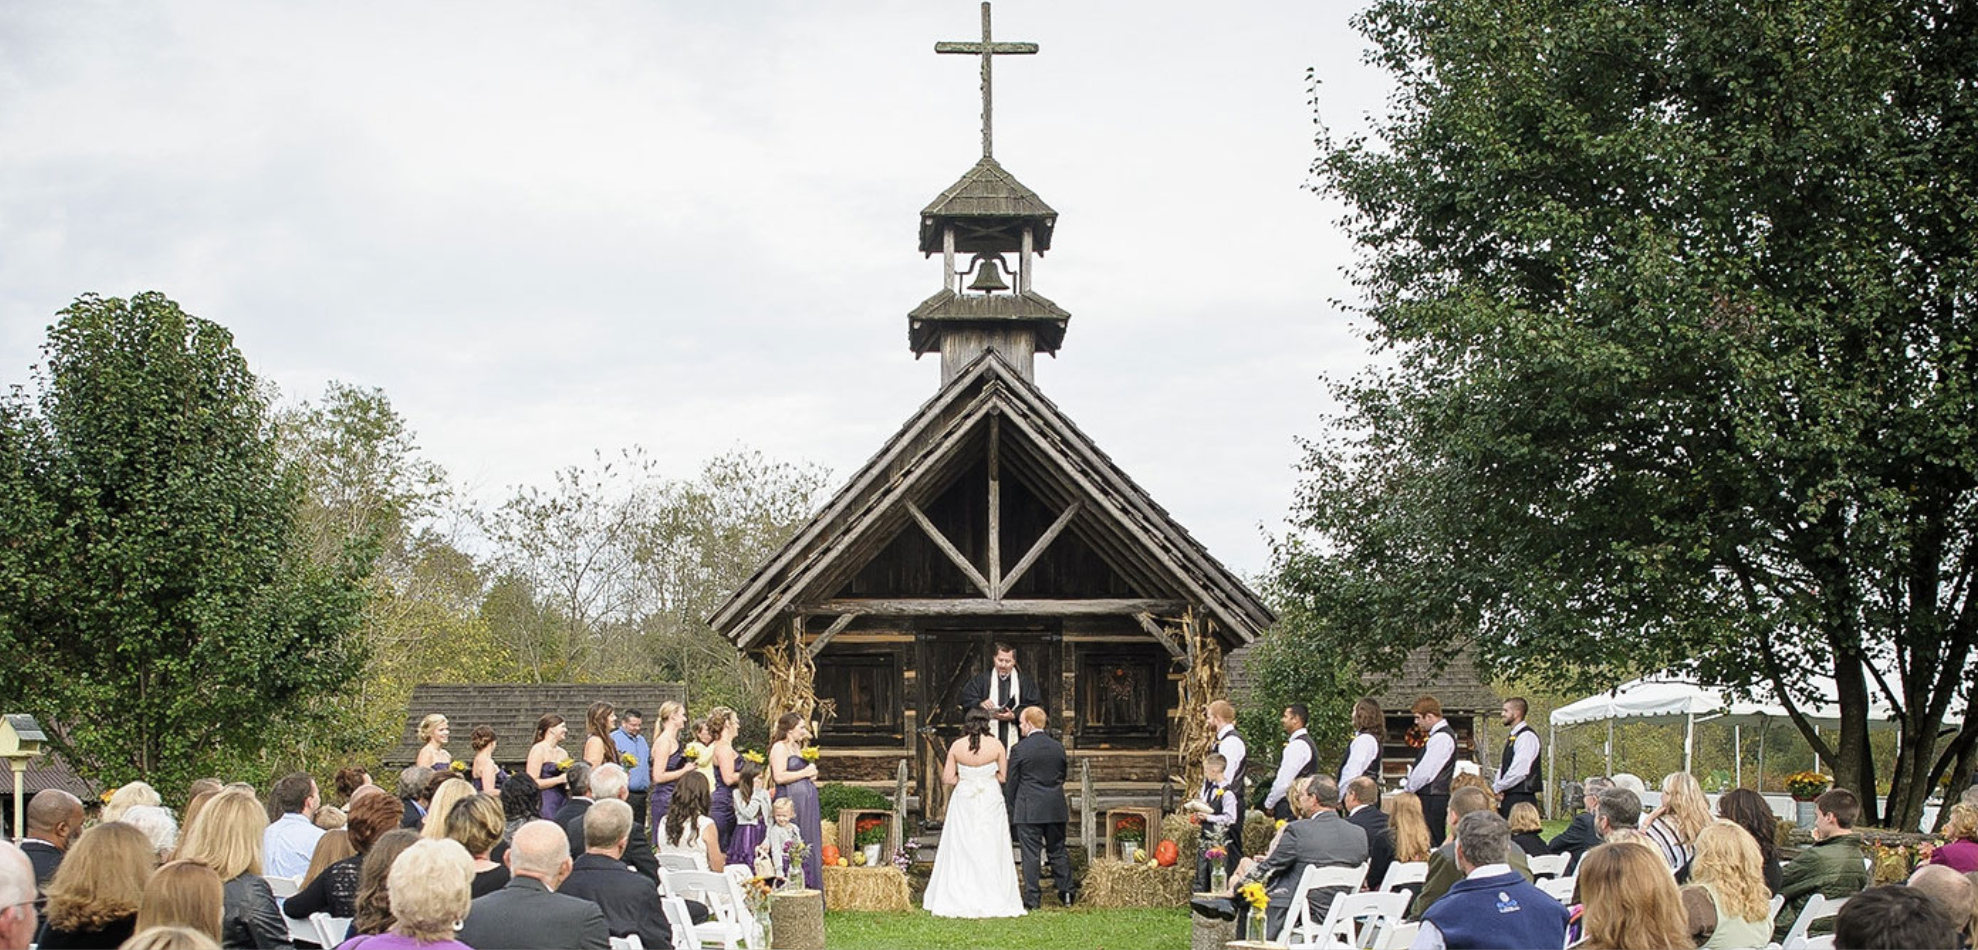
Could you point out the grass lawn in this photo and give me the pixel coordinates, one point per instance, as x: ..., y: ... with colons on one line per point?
x: 1075, y: 929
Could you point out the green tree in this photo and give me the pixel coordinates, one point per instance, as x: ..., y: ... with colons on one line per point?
x: 156, y: 608
x: 1673, y: 304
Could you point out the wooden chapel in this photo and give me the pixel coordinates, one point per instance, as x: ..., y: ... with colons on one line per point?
x: 989, y: 516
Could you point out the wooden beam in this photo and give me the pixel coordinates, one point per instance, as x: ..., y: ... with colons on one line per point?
x: 1149, y: 624
x: 837, y: 627
x: 995, y: 507
x: 1037, y: 550
x: 941, y: 541
x: 963, y: 607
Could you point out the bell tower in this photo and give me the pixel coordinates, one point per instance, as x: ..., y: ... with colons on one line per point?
x: 977, y: 226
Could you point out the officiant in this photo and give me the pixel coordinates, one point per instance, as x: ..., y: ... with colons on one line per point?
x: 1001, y: 690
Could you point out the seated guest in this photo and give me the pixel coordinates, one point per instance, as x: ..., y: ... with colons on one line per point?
x: 1952, y: 892
x: 227, y: 838
x: 374, y: 914
x: 1892, y: 917
x: 1581, y: 834
x: 202, y: 792
x: 1323, y: 839
x: 1360, y: 802
x: 627, y: 898
x: 1443, y: 869
x: 170, y: 938
x: 1406, y: 827
x: 1525, y: 828
x: 331, y: 818
x: 93, y: 900
x: 1629, y: 900
x: 1727, y: 903
x: 528, y: 914
x: 291, y: 839
x: 476, y: 823
x: 54, y: 818
x: 349, y: 779
x: 183, y: 895
x: 521, y: 803
x: 332, y: 847
x: 689, y: 829
x: 429, y: 885
x: 414, y: 789
x: 1674, y: 824
x: 18, y: 919
x: 1959, y: 851
x: 608, y: 782
x: 1493, y: 905
x: 1831, y: 866
x: 128, y: 797
x: 333, y: 891
x: 448, y: 791
x: 577, y: 785
x: 1749, y: 810
x: 157, y: 824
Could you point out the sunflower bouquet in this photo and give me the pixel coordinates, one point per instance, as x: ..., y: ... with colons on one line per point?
x: 809, y: 753
x: 628, y: 760
x: 697, y: 752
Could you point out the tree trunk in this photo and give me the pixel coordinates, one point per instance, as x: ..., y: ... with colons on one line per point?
x: 1854, y: 763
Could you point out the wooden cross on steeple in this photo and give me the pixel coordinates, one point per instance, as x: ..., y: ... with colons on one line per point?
x: 987, y: 49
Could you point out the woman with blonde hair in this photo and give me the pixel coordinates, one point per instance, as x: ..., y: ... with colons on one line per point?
x: 1960, y: 849
x: 450, y: 793
x: 1726, y: 902
x: 183, y: 894
x: 599, y: 720
x: 332, y: 847
x: 128, y: 797
x: 1407, y: 827
x: 434, y: 731
x: 94, y: 897
x: 429, y: 887
x: 477, y: 824
x: 170, y: 938
x: 1525, y: 828
x: 227, y: 838
x: 1630, y: 901
x: 1674, y: 824
x: 669, y: 762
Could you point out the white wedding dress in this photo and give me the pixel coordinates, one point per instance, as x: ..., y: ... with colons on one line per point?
x: 974, y: 875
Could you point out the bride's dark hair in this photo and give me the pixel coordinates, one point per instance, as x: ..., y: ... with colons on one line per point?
x: 975, y: 725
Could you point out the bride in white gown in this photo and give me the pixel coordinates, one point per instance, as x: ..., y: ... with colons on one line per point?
x: 974, y: 875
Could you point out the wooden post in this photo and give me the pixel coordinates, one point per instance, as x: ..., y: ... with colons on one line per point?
x: 995, y: 508
x: 1088, y: 827
x: 900, y: 809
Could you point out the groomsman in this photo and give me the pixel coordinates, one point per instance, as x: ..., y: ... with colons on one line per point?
x: 1002, y: 690
x: 1435, y: 766
x: 1519, y: 775
x: 1222, y: 725
x: 1300, y: 759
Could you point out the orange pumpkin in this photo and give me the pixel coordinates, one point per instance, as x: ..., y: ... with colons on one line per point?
x: 830, y: 853
x: 1166, y: 853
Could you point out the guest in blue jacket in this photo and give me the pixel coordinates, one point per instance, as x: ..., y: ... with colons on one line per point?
x: 1493, y: 905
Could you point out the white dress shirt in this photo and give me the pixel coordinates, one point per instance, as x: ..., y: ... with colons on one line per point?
x: 1364, y: 752
x: 1436, y: 754
x: 1231, y: 746
x: 1297, y: 755
x: 288, y: 844
x: 1524, y: 753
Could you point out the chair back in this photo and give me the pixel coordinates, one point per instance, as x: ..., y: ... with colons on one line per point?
x: 627, y: 942
x: 329, y: 931
x: 1298, y: 922
x: 681, y: 922
x: 1560, y: 888
x: 1403, y: 935
x: 284, y: 887
x: 1403, y: 873
x: 675, y: 861
x: 1362, y: 920
x: 1818, y: 907
x: 1548, y: 865
x: 728, y: 913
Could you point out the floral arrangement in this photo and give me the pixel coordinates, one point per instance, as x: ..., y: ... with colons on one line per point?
x: 628, y: 760
x: 1415, y: 737
x: 754, y: 756
x: 1214, y: 847
x: 809, y: 753
x: 696, y: 752
x: 869, y: 830
x: 901, y: 859
x: 794, y: 851
x: 1807, y: 786
x: 1253, y: 893
x: 1281, y: 823
x: 458, y: 767
x: 1130, y: 828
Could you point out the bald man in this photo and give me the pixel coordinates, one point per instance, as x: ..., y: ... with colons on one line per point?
x: 528, y: 914
x: 18, y: 918
x: 54, y: 817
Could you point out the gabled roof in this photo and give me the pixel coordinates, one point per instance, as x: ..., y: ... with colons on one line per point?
x: 991, y: 196
x: 1118, y: 519
x: 1025, y: 307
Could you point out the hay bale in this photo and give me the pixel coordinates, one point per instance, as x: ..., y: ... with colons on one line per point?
x: 1115, y: 884
x: 1185, y: 834
x: 830, y: 834
x: 1258, y: 830
x: 880, y: 888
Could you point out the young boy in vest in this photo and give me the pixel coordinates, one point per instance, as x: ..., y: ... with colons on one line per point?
x: 1217, y: 806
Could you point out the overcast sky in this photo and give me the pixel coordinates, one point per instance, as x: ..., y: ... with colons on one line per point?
x: 548, y: 229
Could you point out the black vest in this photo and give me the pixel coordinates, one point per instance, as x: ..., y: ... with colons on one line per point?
x: 1232, y: 779
x: 1311, y: 759
x: 1440, y: 784
x: 1373, y: 768
x: 1534, y: 781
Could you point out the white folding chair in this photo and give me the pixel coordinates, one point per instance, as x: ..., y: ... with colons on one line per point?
x: 1299, y: 929
x: 301, y: 930
x: 1548, y: 865
x: 284, y: 887
x: 330, y: 931
x: 1818, y: 907
x: 1560, y: 888
x: 1403, y: 936
x: 1403, y: 873
x: 681, y: 921
x: 729, y: 924
x: 1361, y: 920
x: 1778, y: 901
x: 627, y: 942
x: 675, y: 861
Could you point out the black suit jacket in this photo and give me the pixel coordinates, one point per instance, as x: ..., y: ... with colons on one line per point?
x: 1576, y: 840
x: 571, y: 817
x: 630, y: 901
x: 1380, y: 845
x: 526, y: 915
x: 1034, y: 785
x: 638, y: 848
x: 46, y: 858
x: 413, y: 817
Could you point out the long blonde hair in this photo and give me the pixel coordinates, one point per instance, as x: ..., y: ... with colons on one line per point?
x: 332, y: 847
x: 227, y: 836
x: 1631, y: 900
x: 1727, y: 860
x: 102, y: 878
x: 1683, y: 806
x: 450, y: 793
x: 183, y: 894
x: 1409, y: 828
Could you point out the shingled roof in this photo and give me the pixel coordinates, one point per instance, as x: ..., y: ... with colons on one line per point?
x: 1027, y: 307
x: 985, y: 194
x: 512, y: 710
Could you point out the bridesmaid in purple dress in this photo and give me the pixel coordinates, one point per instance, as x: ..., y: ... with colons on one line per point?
x: 669, y: 764
x: 751, y: 813
x: 723, y: 722
x: 796, y: 780
x: 543, y: 759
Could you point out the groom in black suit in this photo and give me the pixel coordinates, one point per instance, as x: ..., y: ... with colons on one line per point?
x: 1034, y: 789
x: 1001, y: 691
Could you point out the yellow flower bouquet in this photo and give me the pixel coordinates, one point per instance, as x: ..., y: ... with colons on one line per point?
x: 809, y: 753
